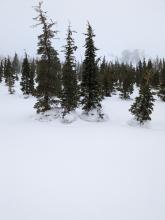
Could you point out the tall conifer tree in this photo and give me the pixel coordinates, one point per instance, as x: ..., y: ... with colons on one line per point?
x: 69, y: 99
x: 48, y: 66
x: 91, y: 92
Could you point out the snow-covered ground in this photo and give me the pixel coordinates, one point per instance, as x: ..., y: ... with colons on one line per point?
x: 81, y: 171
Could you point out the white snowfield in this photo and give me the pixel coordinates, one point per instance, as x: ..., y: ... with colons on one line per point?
x: 109, y: 170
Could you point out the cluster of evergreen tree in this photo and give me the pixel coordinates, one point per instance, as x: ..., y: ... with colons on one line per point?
x: 13, y: 70
x: 72, y: 83
x: 123, y: 77
x: 9, y: 70
x: 60, y: 81
x: 27, y: 82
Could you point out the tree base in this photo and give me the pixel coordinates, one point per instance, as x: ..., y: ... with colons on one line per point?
x: 69, y: 118
x: 93, y: 116
x: 134, y: 123
x: 49, y: 115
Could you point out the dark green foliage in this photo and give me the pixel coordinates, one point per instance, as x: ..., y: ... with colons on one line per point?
x: 9, y: 76
x: 1, y: 70
x: 143, y: 105
x: 4, y: 69
x: 69, y: 94
x: 155, y: 80
x: 91, y: 91
x: 16, y: 66
x: 25, y: 78
x: 126, y: 81
x: 48, y: 66
x: 145, y: 66
x: 154, y: 74
x: 107, y: 79
x: 161, y: 92
x: 32, y: 77
x: 139, y: 73
x: 48, y: 82
x: 104, y: 78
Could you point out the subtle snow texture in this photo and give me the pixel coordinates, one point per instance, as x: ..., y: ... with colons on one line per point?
x: 81, y: 170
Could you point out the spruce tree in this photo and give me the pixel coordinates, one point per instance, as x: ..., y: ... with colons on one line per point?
x: 143, y: 106
x: 48, y: 66
x: 106, y: 74
x: 25, y: 78
x: 91, y: 91
x: 69, y: 95
x: 117, y: 69
x: 161, y: 92
x: 1, y: 70
x: 32, y: 77
x: 10, y: 76
x: 16, y: 66
x: 127, y: 81
x: 103, y: 78
x: 4, y: 70
x: 139, y: 73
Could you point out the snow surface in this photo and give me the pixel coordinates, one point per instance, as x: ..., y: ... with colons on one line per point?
x: 109, y: 170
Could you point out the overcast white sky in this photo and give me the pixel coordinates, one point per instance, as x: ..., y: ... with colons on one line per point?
x: 118, y: 24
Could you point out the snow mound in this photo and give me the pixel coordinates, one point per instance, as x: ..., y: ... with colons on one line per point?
x: 69, y: 118
x: 94, y: 116
x: 134, y: 123
x: 48, y: 115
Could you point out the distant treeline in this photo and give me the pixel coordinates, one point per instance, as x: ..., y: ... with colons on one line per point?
x: 113, y: 77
